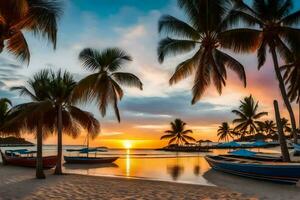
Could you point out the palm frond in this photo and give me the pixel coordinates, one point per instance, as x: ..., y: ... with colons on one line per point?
x: 113, y: 58
x: 261, y: 54
x: 169, y: 46
x: 202, y: 79
x: 23, y: 91
x: 85, y: 90
x: 86, y: 120
x: 236, y: 16
x: 90, y: 58
x: 291, y: 19
x: 231, y: 39
x: 232, y: 64
x: 127, y: 79
x: 259, y: 115
x: 171, y: 25
x: 189, y: 138
x: 167, y: 136
x: 42, y: 18
x: 186, y: 68
x: 18, y: 46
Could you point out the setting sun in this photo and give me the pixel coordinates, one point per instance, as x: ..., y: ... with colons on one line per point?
x: 127, y: 144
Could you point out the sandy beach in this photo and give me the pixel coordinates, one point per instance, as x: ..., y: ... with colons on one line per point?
x: 19, y: 183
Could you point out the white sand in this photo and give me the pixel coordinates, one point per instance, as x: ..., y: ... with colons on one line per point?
x: 19, y: 183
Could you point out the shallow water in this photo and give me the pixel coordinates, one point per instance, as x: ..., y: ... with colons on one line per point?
x: 150, y: 164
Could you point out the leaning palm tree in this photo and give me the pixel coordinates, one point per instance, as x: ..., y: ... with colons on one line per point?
x: 37, y: 16
x: 270, y: 25
x: 178, y: 134
x: 225, y: 132
x: 62, y: 116
x: 104, y: 85
x: 248, y: 116
x: 203, y: 34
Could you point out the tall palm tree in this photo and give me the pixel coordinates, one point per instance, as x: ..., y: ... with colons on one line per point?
x: 225, y: 132
x: 178, y: 134
x: 104, y: 84
x: 292, y: 77
x: 202, y: 34
x: 37, y: 16
x: 31, y: 116
x: 62, y: 115
x: 270, y: 25
x: 248, y: 116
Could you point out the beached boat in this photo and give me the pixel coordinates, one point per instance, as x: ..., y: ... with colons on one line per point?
x: 83, y: 156
x: 252, y: 155
x: 25, y: 158
x: 270, y: 171
x: 89, y: 160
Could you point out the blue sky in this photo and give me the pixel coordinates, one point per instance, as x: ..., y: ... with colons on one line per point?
x: 132, y: 25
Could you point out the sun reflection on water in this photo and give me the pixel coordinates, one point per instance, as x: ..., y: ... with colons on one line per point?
x: 128, y: 162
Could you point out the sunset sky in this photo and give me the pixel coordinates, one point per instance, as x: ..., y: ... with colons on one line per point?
x: 132, y: 25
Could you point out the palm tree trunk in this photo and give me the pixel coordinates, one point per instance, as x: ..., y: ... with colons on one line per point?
x: 58, y: 169
x: 283, y: 93
x: 284, y: 149
x: 39, y: 158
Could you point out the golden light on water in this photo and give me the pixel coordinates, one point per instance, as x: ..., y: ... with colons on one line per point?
x: 127, y: 144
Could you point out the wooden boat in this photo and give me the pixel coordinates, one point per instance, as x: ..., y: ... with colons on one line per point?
x: 270, y: 171
x: 86, y: 159
x: 16, y: 157
x: 89, y: 160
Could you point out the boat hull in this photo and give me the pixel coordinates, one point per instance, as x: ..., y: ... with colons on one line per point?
x: 48, y: 161
x: 89, y: 160
x: 283, y: 173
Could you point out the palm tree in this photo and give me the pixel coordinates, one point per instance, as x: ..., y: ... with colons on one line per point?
x: 248, y: 116
x: 4, y: 109
x: 178, y: 134
x: 31, y: 116
x: 202, y: 33
x: 62, y: 115
x: 104, y: 84
x: 286, y: 125
x: 225, y: 132
x: 269, y: 27
x: 37, y: 16
x: 292, y: 77
x: 269, y: 127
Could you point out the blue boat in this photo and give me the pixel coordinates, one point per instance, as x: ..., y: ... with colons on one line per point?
x: 280, y: 172
x: 296, y: 149
x: 243, y: 153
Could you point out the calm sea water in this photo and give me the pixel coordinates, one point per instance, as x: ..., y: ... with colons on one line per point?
x: 150, y: 164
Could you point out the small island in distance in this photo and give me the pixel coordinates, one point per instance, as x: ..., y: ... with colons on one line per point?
x: 14, y: 142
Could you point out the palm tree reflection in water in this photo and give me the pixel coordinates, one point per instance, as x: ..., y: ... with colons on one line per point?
x: 175, y: 170
x: 197, y: 166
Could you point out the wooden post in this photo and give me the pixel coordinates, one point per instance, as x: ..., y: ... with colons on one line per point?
x: 284, y: 149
